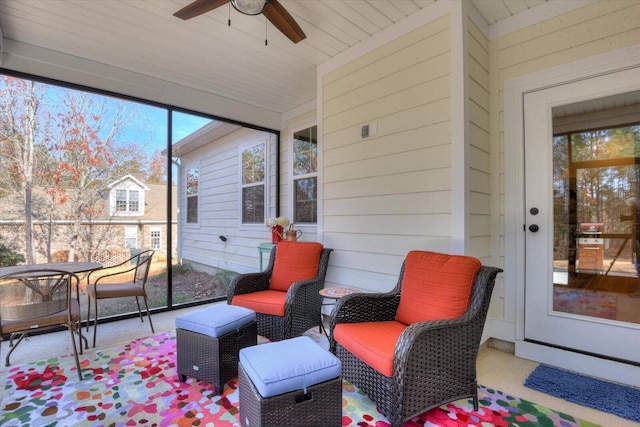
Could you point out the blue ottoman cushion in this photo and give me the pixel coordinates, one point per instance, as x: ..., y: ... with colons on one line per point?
x: 288, y: 365
x: 217, y: 320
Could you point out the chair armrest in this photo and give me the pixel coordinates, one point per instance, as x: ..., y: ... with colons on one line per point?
x: 248, y: 283
x: 303, y: 302
x: 301, y: 290
x: 458, y: 338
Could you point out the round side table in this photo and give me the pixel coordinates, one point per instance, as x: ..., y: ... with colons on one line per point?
x: 334, y: 294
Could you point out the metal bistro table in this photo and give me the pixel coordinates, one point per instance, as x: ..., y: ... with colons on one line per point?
x: 67, y: 267
x: 26, y: 273
x: 334, y: 294
x: 70, y: 267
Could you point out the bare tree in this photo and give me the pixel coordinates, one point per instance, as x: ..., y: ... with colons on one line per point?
x: 18, y: 132
x: 59, y: 148
x: 88, y: 128
x: 157, y: 169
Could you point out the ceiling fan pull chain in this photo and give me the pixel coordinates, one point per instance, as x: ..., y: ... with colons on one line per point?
x: 266, y: 25
x: 229, y: 20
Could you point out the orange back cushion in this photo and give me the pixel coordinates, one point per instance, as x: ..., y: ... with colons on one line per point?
x: 435, y: 286
x: 294, y: 261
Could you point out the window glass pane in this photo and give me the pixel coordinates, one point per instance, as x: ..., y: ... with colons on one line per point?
x: 192, y: 183
x: 130, y: 236
x: 253, y: 164
x: 596, y: 219
x: 253, y: 204
x: 253, y: 176
x: 604, y: 144
x: 193, y: 176
x: 155, y: 237
x: 305, y: 195
x: 121, y: 200
x: 305, y: 166
x: 192, y: 210
x: 133, y: 201
x: 305, y: 151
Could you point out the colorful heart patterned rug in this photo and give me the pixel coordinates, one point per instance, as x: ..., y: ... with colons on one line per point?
x: 137, y: 384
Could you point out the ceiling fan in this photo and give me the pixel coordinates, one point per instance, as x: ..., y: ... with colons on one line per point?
x: 271, y: 9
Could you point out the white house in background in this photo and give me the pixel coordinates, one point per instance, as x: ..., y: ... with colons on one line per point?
x: 214, y: 201
x: 139, y: 211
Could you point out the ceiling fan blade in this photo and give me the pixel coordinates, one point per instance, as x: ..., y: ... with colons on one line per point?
x: 198, y: 7
x: 283, y: 21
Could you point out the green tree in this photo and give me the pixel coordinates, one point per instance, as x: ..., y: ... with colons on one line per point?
x: 9, y: 257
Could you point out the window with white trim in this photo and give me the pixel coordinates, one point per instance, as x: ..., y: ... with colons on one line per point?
x: 130, y: 236
x: 192, y: 192
x: 127, y: 200
x: 253, y: 185
x: 305, y: 175
x: 155, y: 236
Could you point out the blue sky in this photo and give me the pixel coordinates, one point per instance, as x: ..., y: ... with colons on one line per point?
x: 148, y: 124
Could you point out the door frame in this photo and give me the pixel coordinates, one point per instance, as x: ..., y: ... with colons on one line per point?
x: 515, y: 218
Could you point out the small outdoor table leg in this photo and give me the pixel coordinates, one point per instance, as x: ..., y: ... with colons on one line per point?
x: 333, y: 294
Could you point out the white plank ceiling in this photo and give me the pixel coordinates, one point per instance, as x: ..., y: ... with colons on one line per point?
x: 207, y: 54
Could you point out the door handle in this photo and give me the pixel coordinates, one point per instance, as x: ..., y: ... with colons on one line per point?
x: 534, y: 228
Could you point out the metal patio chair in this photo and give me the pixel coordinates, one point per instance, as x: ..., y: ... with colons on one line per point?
x: 33, y: 300
x: 126, y: 279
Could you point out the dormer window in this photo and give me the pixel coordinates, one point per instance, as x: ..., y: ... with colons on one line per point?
x: 127, y: 197
x: 127, y: 201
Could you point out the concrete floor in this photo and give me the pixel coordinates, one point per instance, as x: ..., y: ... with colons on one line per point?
x: 496, y: 369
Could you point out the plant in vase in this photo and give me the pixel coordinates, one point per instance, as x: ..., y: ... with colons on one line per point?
x: 277, y: 227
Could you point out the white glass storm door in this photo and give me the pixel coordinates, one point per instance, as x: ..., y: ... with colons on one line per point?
x: 581, y: 195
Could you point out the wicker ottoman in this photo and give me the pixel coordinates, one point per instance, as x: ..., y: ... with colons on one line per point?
x: 289, y: 383
x: 208, y: 342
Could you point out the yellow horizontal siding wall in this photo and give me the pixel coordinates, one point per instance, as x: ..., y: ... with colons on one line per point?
x: 389, y: 193
x: 591, y: 30
x: 479, y: 147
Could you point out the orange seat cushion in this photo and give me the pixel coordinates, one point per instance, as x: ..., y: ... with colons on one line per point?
x: 372, y: 342
x: 294, y: 261
x: 265, y: 302
x: 436, y: 286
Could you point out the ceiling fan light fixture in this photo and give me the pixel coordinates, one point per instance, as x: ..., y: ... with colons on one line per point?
x: 249, y: 7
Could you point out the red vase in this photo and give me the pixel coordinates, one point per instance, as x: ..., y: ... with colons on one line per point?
x: 276, y: 233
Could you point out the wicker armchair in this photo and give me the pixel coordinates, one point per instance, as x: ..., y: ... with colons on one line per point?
x: 433, y: 362
x: 291, y: 312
